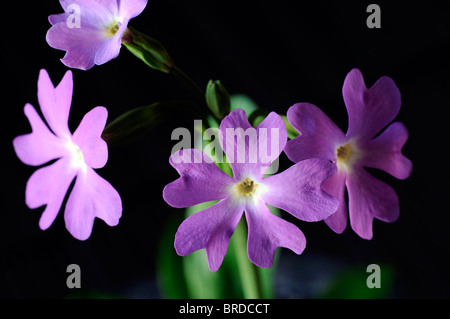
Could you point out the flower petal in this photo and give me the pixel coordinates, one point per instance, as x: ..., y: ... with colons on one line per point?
x: 48, y: 186
x: 132, y: 8
x: 88, y: 137
x: 319, y: 136
x: 55, y: 102
x: 98, y: 10
x: 272, y: 139
x: 369, y: 110
x: 40, y: 146
x: 201, y: 180
x: 335, y: 186
x: 384, y: 152
x: 110, y: 49
x: 241, y: 143
x: 266, y: 232
x: 369, y: 198
x: 210, y: 229
x: 81, y: 44
x: 58, y: 18
x: 92, y: 196
x: 298, y: 191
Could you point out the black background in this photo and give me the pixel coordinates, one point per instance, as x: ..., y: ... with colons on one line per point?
x: 278, y: 53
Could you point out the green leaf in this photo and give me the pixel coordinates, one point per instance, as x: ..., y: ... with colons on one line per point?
x: 169, y: 269
x: 217, y: 99
x: 242, y: 101
x: 138, y: 121
x: 257, y: 116
x: 292, y: 132
x: 351, y: 284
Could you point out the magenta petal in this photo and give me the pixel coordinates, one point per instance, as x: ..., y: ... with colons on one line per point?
x: 384, y: 152
x: 369, y: 198
x: 210, y: 229
x: 92, y: 196
x: 319, y: 135
x: 40, y: 146
x: 369, y: 110
x: 48, y: 186
x: 88, y: 137
x: 335, y: 186
x: 298, y: 191
x: 55, y: 102
x: 266, y: 232
x: 201, y: 180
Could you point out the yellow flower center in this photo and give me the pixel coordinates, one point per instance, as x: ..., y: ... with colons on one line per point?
x: 343, y: 152
x: 246, y: 187
x: 112, y: 29
x: 346, y: 155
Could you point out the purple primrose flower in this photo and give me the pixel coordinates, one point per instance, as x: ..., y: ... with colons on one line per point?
x: 369, y: 111
x: 76, y: 155
x: 90, y: 31
x: 296, y: 190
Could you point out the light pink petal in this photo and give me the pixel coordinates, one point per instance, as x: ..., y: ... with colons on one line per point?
x: 369, y: 110
x: 237, y: 146
x: 369, y: 198
x: 40, y: 146
x: 92, y: 196
x: 267, y: 232
x: 81, y: 44
x: 94, y: 10
x: 132, y: 8
x: 48, y: 186
x: 210, y: 229
x: 201, y: 180
x: 88, y: 137
x: 111, y: 48
x: 385, y: 152
x: 298, y: 191
x: 319, y: 136
x: 58, y: 18
x: 335, y: 186
x: 55, y: 102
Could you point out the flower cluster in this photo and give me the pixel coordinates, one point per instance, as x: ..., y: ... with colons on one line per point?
x: 327, y: 162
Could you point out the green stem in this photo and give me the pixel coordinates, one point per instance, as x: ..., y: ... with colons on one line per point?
x: 247, y: 271
x: 183, y: 77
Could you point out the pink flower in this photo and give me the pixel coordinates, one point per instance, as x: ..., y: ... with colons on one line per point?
x: 369, y: 111
x: 296, y: 190
x: 90, y: 31
x: 76, y: 155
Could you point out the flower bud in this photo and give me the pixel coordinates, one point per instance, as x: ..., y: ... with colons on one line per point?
x: 147, y: 49
x: 217, y: 99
